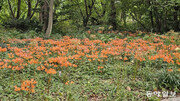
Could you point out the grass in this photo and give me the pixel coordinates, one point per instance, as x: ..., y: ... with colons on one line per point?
x: 113, y: 78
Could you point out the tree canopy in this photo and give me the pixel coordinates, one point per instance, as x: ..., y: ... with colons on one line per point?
x: 147, y: 15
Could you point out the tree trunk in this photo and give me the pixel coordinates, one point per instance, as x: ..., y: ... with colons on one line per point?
x: 18, y: 9
x: 44, y: 16
x: 112, y: 18
x: 123, y: 16
x: 151, y: 15
x: 49, y: 29
x: 0, y: 8
x: 158, y: 22
x: 29, y: 9
x: 88, y: 12
x: 176, y: 22
x: 41, y: 14
x: 85, y: 21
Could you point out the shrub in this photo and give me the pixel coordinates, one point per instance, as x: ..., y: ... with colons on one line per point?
x: 169, y: 79
x: 23, y: 24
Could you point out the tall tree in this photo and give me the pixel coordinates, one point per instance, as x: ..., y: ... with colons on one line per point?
x: 50, y: 23
x: 151, y: 14
x: 112, y: 16
x: 176, y: 21
x: 18, y: 9
x: 29, y: 9
x: 43, y: 15
x: 88, y: 11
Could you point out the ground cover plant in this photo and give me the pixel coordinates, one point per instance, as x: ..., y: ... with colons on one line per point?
x: 89, y: 50
x: 97, y: 66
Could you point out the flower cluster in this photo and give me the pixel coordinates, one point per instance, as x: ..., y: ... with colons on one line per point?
x: 49, y: 56
x: 27, y: 85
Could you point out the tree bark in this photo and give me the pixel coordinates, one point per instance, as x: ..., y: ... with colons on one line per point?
x: 88, y: 11
x: 50, y: 23
x: 151, y: 15
x: 44, y: 12
x: 0, y: 8
x: 176, y: 22
x: 18, y: 9
x: 29, y: 9
x: 112, y: 18
x: 123, y: 15
x: 158, y: 22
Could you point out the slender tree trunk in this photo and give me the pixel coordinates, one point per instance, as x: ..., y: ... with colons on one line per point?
x: 112, y: 18
x: 0, y: 8
x: 10, y: 7
x: 176, y: 22
x: 41, y: 14
x: 152, y: 21
x: 158, y: 22
x: 88, y: 11
x: 151, y: 15
x: 18, y: 9
x: 123, y: 16
x: 50, y: 23
x: 45, y: 16
x: 165, y: 21
x: 29, y: 9
x: 85, y: 21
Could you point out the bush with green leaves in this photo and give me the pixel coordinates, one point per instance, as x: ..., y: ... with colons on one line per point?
x: 23, y: 24
x: 169, y: 79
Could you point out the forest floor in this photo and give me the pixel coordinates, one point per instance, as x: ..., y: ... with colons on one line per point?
x: 92, y: 66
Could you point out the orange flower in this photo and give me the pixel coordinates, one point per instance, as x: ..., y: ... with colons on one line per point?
x: 125, y: 58
x: 11, y: 55
x: 27, y: 85
x: 74, y: 65
x: 3, y: 49
x: 170, y: 70
x: 89, y: 60
x: 72, y: 82
x: 51, y: 71
x: 177, y: 62
x: 100, y: 67
x: 32, y: 90
x: 1, y: 63
x: 99, y: 31
x: 16, y: 88
x: 89, y: 32
x: 67, y: 83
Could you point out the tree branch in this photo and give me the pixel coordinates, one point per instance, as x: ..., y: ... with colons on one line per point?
x: 34, y: 9
x: 12, y: 13
x: 138, y: 21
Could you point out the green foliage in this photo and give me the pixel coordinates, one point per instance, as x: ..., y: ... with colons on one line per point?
x: 131, y: 15
x: 169, y: 80
x: 118, y: 80
x: 23, y: 24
